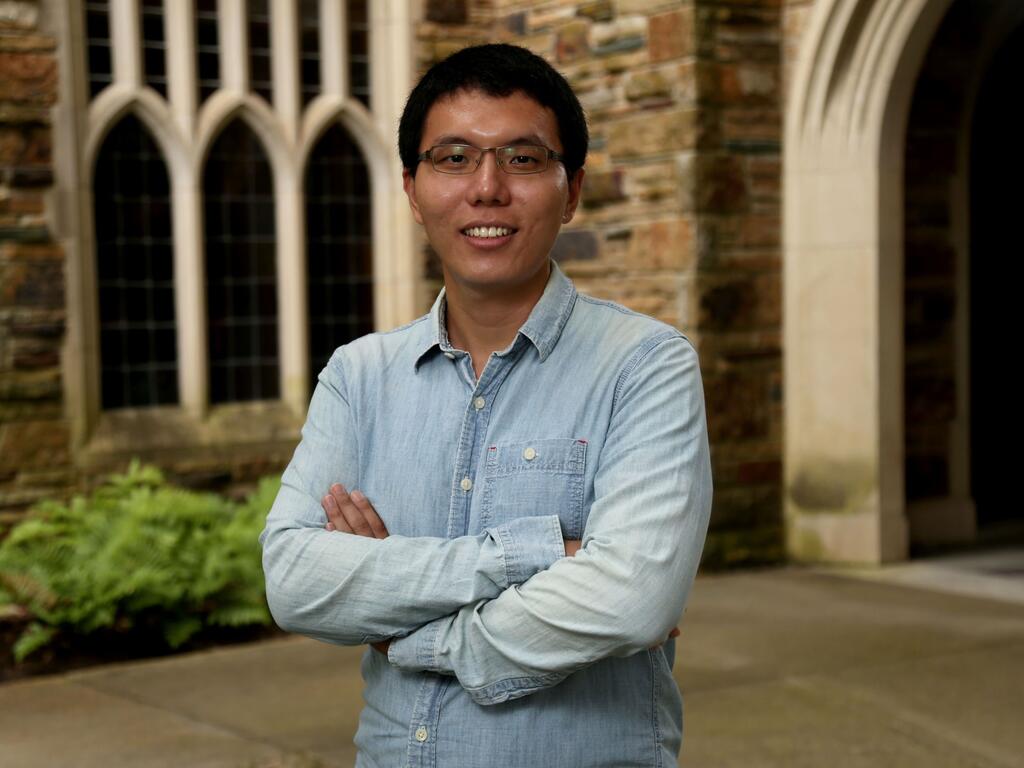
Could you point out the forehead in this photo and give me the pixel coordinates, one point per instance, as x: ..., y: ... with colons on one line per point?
x: 484, y: 120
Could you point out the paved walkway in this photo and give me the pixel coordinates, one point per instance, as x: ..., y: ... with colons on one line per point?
x: 782, y: 668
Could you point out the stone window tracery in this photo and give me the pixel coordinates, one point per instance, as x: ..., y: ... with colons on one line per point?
x: 196, y: 82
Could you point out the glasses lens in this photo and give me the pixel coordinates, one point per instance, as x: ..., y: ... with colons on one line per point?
x: 455, y: 158
x: 523, y: 159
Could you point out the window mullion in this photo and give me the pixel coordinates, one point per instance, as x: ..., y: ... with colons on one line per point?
x: 284, y: 44
x: 291, y: 293
x: 125, y: 45
x: 333, y: 48
x: 190, y: 294
x: 179, y: 25
x: 234, y: 54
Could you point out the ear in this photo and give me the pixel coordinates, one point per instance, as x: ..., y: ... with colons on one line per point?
x: 409, y: 185
x: 575, y: 190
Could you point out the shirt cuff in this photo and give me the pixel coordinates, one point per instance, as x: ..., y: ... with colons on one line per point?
x: 415, y: 652
x: 529, y: 545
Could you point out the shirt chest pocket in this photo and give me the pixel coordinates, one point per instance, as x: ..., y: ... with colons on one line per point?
x: 533, y: 478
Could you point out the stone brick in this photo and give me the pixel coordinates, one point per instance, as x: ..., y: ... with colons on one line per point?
x: 30, y: 386
x: 575, y: 245
x: 666, y: 244
x: 18, y: 14
x: 33, y: 43
x: 671, y: 35
x: 601, y: 10
x: 647, y: 86
x: 33, y: 444
x: 626, y: 33
x: 650, y: 134
x: 13, y: 251
x: 739, y: 404
x: 572, y: 41
x: 602, y: 188
x: 741, y: 302
x: 31, y: 284
x: 721, y: 184
x: 644, y: 6
x: 447, y: 11
x: 28, y: 77
x: 547, y: 17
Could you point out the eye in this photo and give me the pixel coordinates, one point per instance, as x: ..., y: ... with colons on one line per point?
x: 451, y: 157
x: 523, y: 160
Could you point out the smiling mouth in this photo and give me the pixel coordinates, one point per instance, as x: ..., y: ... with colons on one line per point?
x: 488, y: 231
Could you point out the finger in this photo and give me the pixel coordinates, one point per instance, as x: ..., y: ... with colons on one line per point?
x: 353, y: 517
x: 369, y: 514
x: 334, y: 516
x: 329, y: 526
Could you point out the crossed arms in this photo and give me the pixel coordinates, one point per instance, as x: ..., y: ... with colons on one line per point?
x: 505, y: 611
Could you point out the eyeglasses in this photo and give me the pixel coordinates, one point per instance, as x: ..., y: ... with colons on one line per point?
x: 462, y: 159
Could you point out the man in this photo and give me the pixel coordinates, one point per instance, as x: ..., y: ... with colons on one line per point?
x: 449, y: 470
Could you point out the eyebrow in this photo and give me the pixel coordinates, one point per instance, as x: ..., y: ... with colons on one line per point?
x: 525, y: 139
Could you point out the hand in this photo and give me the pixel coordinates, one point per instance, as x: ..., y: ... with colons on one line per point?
x: 572, y: 546
x: 673, y: 633
x: 352, y: 513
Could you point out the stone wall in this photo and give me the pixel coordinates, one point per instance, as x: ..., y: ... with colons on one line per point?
x: 738, y: 203
x: 34, y: 456
x: 680, y: 212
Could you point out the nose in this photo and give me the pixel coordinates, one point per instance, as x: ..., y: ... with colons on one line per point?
x: 489, y: 185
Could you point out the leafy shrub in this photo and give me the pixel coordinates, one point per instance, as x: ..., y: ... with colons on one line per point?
x: 136, y: 555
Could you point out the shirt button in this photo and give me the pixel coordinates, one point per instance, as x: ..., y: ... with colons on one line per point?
x: 529, y: 454
x: 479, y: 403
x: 421, y: 734
x: 466, y: 484
x: 449, y: 355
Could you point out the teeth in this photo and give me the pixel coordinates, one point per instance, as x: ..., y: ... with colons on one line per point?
x: 488, y: 231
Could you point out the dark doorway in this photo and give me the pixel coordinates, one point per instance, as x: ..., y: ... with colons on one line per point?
x: 997, y: 207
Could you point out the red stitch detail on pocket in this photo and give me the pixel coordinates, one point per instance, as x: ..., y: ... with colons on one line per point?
x: 493, y: 448
x: 581, y: 440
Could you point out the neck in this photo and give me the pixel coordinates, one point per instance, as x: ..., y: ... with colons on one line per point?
x: 482, y: 322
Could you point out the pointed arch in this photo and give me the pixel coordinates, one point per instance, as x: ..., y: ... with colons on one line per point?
x: 240, y: 266
x: 339, y: 246
x: 134, y: 270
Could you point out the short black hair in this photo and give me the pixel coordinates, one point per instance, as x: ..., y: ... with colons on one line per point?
x: 497, y: 69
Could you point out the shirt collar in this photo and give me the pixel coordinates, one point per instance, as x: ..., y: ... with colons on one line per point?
x: 543, y: 327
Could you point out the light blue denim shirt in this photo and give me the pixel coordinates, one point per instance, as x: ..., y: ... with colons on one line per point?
x: 589, y: 425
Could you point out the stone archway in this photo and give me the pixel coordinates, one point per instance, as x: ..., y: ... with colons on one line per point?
x: 844, y: 287
x: 843, y: 281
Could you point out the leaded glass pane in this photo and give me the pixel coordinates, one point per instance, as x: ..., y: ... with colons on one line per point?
x: 153, y: 46
x: 358, y: 50
x: 259, y: 49
x: 241, y: 278
x: 97, y: 35
x: 339, y: 247
x: 310, y: 49
x: 207, y: 50
x: 135, y: 271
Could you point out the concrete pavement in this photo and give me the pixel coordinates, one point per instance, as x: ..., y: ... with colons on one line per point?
x: 779, y: 668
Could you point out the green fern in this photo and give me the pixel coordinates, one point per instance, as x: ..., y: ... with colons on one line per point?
x: 136, y: 554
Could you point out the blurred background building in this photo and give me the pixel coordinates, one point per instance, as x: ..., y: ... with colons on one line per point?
x: 200, y: 199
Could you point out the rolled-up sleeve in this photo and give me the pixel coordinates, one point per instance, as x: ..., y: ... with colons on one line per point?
x: 627, y: 587
x: 349, y: 589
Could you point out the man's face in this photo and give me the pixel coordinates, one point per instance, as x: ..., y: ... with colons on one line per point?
x: 532, y: 207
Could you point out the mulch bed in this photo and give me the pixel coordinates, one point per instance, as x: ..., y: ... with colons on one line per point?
x: 105, y: 647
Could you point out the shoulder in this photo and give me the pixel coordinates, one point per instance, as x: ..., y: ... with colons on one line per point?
x: 612, y: 325
x: 379, y: 351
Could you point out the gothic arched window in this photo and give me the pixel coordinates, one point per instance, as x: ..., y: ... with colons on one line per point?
x: 241, y: 275
x: 339, y: 247
x: 134, y: 270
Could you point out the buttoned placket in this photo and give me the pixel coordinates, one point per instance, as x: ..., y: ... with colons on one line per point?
x: 422, y: 750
